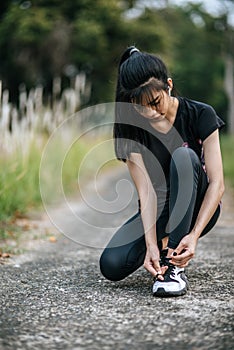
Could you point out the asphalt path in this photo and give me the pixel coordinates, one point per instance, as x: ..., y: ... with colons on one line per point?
x: 53, y: 296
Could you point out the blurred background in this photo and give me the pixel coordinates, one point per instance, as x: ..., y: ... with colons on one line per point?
x: 41, y: 40
x: 57, y: 57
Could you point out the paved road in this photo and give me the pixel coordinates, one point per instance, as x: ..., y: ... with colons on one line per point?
x: 54, y: 297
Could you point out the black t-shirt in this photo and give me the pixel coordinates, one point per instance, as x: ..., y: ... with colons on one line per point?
x: 194, y: 122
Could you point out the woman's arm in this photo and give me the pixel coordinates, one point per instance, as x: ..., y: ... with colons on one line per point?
x: 148, y: 200
x: 147, y: 195
x: 214, y: 193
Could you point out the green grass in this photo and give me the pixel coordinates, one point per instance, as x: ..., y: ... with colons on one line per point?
x: 18, y: 182
x: 84, y: 161
x: 19, y: 175
x: 227, y: 147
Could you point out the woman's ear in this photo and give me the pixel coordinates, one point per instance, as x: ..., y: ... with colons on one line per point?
x: 170, y: 83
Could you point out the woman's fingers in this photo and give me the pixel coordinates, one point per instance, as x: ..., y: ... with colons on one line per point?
x: 182, y: 259
x: 150, y: 269
x: 185, y: 251
x: 163, y: 269
x: 184, y: 265
x: 160, y: 271
x: 155, y: 269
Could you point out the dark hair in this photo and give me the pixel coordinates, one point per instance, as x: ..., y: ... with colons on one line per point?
x: 139, y: 74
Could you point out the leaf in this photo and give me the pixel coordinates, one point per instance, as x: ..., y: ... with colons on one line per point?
x: 53, y: 239
x: 6, y: 255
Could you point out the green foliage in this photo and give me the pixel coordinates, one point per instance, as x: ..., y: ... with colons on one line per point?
x: 227, y: 143
x: 19, y: 176
x: 83, y: 161
x: 22, y: 37
x: 19, y: 182
x: 198, y: 64
x: 40, y: 40
x: 149, y: 33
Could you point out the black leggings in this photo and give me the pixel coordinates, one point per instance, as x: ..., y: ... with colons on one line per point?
x: 126, y: 250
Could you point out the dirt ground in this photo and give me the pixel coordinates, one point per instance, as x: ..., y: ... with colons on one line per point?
x: 54, y: 297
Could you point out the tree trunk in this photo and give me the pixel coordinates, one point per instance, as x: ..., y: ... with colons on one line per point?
x: 229, y: 88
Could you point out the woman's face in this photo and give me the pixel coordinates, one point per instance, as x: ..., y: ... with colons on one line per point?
x: 156, y: 109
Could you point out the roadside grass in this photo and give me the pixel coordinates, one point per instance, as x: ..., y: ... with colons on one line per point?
x: 227, y: 147
x: 84, y: 160
x: 19, y: 182
x: 19, y: 177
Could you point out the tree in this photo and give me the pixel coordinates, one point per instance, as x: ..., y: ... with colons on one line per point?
x: 198, y: 64
x: 23, y: 33
x: 42, y: 39
x: 47, y: 37
x: 228, y: 54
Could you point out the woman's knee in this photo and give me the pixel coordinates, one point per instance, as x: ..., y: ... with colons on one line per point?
x: 110, y: 265
x: 185, y: 159
x: 183, y: 154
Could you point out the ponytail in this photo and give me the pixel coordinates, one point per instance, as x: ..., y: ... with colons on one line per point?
x: 127, y: 53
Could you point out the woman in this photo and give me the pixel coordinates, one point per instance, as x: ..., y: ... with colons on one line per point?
x: 171, y: 147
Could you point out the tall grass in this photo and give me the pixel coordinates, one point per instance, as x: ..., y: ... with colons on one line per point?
x: 19, y: 175
x: 24, y: 130
x: 19, y: 182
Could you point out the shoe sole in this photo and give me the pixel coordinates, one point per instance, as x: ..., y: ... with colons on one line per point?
x: 163, y: 294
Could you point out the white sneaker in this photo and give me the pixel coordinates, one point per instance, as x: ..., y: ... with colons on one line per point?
x: 175, y: 283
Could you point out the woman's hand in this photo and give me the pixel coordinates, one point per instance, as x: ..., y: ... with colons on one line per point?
x: 185, y: 251
x: 152, y: 263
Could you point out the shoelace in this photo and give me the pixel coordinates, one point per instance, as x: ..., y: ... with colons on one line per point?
x: 164, y: 261
x: 170, y: 271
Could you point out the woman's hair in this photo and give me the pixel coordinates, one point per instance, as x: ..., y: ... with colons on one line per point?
x: 139, y: 76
